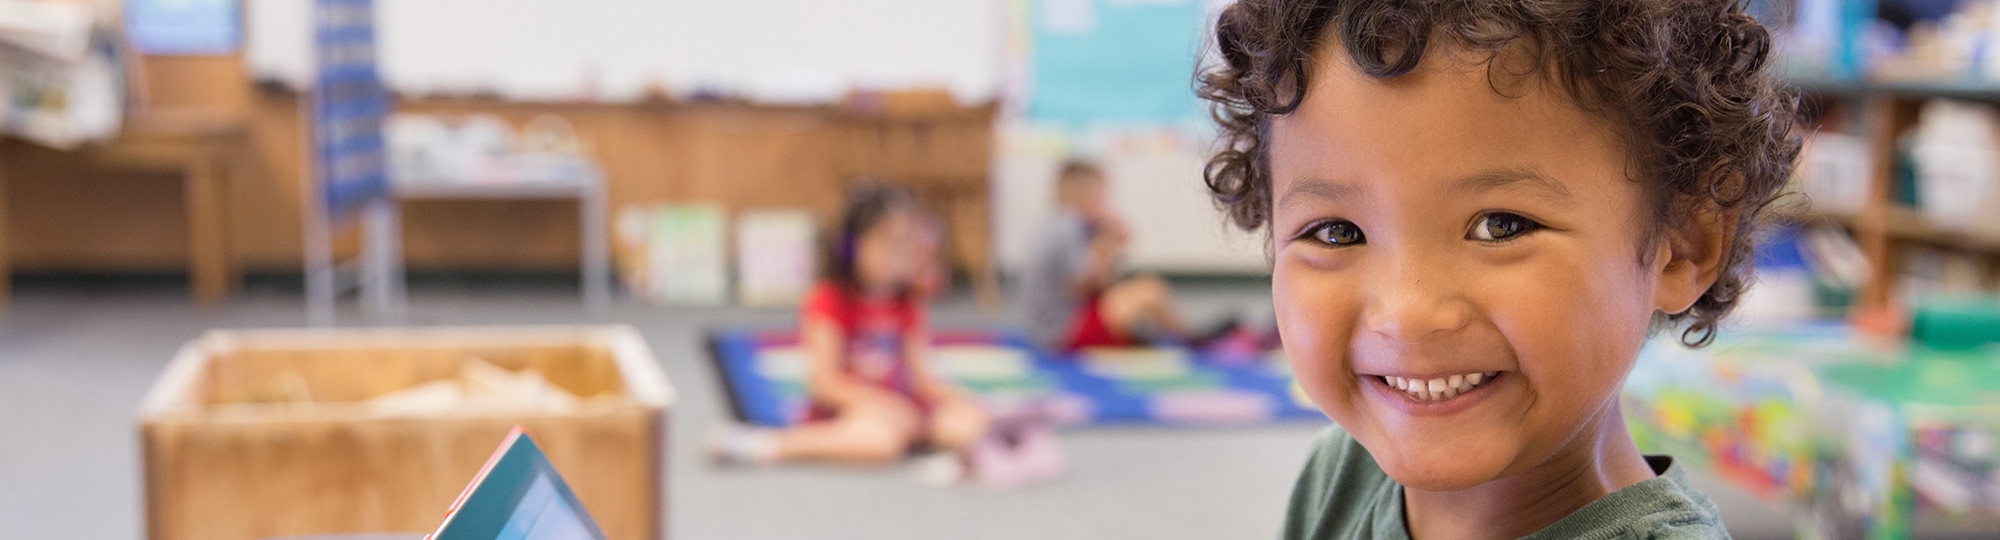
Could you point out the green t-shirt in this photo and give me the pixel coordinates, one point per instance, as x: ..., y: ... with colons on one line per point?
x: 1342, y: 494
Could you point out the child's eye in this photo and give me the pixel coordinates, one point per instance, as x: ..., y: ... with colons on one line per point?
x: 1501, y: 226
x: 1337, y: 233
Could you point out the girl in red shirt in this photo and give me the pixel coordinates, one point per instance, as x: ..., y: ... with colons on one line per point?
x: 865, y: 334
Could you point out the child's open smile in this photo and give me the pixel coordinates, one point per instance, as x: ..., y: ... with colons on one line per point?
x: 1431, y: 395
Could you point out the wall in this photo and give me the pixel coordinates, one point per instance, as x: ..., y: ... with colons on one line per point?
x: 615, y: 49
x: 1155, y: 185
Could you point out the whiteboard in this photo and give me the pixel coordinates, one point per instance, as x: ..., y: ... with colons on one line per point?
x: 614, y: 50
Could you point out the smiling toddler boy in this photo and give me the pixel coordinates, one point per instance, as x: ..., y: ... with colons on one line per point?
x: 1478, y: 211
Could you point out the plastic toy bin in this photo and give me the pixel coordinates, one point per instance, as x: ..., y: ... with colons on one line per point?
x: 253, y: 434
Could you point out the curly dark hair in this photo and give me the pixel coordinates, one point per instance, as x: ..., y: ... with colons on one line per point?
x: 1709, y: 128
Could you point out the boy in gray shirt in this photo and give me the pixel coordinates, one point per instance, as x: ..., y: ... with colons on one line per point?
x: 1071, y: 295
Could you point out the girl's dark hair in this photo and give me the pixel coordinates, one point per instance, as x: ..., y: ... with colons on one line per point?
x: 1710, y: 131
x: 867, y: 206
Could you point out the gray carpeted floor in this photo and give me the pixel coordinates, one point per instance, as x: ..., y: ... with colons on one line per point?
x: 76, y: 357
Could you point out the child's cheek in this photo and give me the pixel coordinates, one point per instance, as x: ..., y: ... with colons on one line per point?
x: 1316, y: 311
x: 1574, y: 325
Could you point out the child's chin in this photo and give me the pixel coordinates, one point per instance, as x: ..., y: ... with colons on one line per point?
x: 1443, y: 471
x: 1441, y: 482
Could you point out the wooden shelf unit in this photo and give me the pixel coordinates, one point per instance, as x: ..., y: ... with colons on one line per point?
x: 1906, y: 224
x: 67, y: 216
x: 1886, y: 229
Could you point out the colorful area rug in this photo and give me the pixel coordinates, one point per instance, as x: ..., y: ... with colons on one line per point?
x: 764, y: 373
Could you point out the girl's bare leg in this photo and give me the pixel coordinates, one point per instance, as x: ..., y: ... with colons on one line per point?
x: 875, y: 429
x: 956, y: 422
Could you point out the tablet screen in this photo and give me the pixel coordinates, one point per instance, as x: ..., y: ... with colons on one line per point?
x: 542, y: 514
x: 518, y: 496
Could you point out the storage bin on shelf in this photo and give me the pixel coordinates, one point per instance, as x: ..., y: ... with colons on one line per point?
x: 260, y: 433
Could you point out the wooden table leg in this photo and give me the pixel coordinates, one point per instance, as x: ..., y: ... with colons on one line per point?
x: 1879, y: 118
x: 232, y: 165
x: 971, y: 235
x: 208, y: 240
x: 592, y: 212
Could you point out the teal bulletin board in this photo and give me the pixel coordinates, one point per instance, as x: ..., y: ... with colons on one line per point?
x: 1114, y: 61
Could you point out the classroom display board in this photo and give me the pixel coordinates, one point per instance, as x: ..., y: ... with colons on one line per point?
x: 1112, y: 61
x: 183, y: 27
x: 764, y: 373
x: 349, y: 106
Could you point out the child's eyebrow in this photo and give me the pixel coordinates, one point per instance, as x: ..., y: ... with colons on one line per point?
x: 1527, y: 177
x: 1315, y: 188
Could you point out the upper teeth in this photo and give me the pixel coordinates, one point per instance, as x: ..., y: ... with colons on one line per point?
x: 1441, y: 388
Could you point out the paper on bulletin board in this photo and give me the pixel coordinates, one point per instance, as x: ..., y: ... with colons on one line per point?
x: 686, y: 255
x: 1114, y: 61
x: 183, y: 27
x: 775, y: 259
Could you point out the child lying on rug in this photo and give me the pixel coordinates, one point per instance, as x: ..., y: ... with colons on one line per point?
x: 864, y: 331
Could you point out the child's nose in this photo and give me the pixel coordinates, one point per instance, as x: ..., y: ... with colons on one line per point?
x: 1416, y: 301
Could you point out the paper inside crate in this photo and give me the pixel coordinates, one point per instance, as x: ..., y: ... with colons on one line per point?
x: 546, y: 369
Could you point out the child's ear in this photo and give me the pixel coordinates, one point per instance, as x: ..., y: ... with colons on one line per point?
x: 1690, y: 257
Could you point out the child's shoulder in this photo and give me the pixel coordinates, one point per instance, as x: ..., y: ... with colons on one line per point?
x: 1336, y: 451
x: 1665, y: 507
x: 840, y: 302
x: 1342, y: 493
x: 1340, y: 469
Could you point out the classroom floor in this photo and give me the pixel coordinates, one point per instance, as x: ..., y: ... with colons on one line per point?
x: 76, y: 355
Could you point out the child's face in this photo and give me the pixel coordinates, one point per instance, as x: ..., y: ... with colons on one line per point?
x: 1427, y: 227
x: 887, y: 255
x: 1087, y: 195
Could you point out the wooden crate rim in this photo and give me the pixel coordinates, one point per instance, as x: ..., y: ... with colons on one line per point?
x: 645, y: 380
x: 355, y: 413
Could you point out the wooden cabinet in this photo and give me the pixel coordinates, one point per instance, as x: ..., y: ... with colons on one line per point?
x: 202, y: 151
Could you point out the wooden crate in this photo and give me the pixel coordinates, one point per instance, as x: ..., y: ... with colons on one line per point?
x: 259, y: 433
